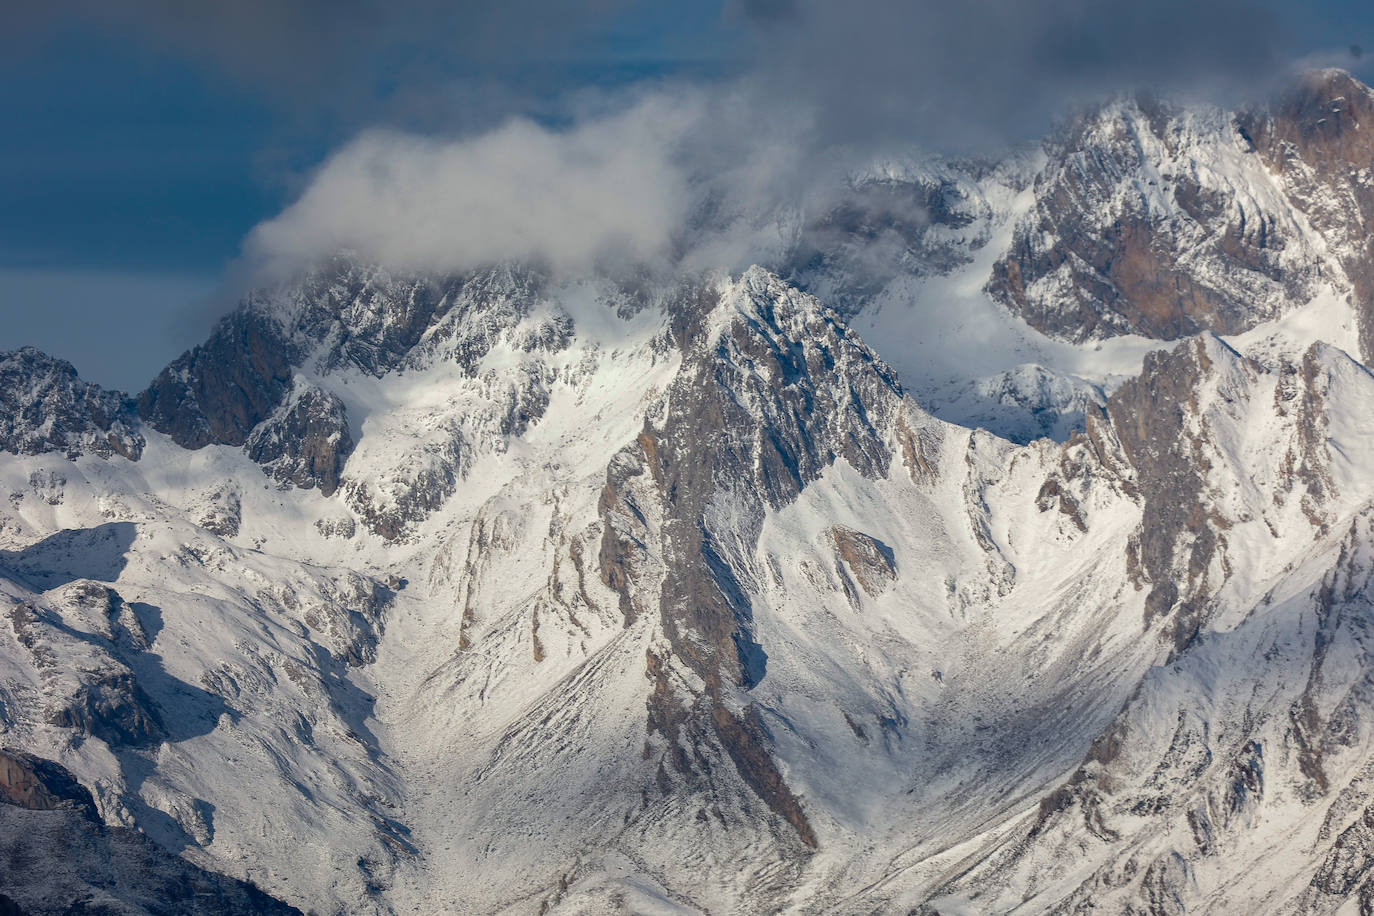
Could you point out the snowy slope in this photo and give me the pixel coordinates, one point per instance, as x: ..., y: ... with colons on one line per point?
x: 1134, y: 222
x: 501, y: 592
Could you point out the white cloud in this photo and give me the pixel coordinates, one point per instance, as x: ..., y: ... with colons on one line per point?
x: 609, y: 186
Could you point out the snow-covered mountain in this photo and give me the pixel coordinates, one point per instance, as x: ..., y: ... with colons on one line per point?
x: 1003, y: 549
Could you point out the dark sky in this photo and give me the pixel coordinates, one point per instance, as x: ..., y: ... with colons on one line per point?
x: 145, y: 139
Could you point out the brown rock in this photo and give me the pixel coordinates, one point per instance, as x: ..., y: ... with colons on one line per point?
x: 31, y: 782
x: 1319, y: 140
x: 870, y: 561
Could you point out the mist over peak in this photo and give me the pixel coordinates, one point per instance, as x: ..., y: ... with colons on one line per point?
x: 681, y: 171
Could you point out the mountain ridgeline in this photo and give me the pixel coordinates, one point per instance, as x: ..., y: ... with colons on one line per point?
x: 1005, y: 547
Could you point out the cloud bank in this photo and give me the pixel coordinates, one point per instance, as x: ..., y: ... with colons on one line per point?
x: 610, y: 187
x: 714, y: 175
x: 674, y: 178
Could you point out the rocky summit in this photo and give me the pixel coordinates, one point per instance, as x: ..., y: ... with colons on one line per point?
x: 1006, y: 547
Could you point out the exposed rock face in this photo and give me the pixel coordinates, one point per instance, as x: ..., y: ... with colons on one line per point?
x: 238, y: 389
x: 1347, y: 872
x: 223, y: 512
x: 59, y: 857
x: 1318, y: 142
x: 113, y: 708
x: 1158, y: 431
x: 499, y: 311
x: 305, y: 442
x: 413, y: 490
x: 217, y: 392
x: 1158, y: 423
x: 101, y: 697
x: 45, y: 407
x: 1139, y: 217
x: 60, y: 862
x: 247, y: 386
x: 482, y: 309
x: 346, y: 615
x: 1219, y: 450
x: 869, y: 560
x: 107, y: 683
x: 343, y: 315
x: 1186, y: 773
x: 1155, y: 221
x: 367, y: 317
x: 31, y: 782
x: 763, y: 407
x: 1165, y: 222
x: 342, y: 526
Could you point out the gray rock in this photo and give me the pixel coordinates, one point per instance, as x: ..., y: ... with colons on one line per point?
x: 224, y: 514
x: 869, y: 560
x: 46, y: 407
x: 59, y: 860
x: 217, y: 392
x: 758, y: 414
x: 1315, y: 138
x: 30, y: 782
x: 111, y: 706
x: 306, y: 440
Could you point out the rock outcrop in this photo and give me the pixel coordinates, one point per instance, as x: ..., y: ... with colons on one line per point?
x: 59, y: 857
x: 868, y: 559
x: 763, y: 407
x: 216, y: 393
x: 1317, y: 140
x: 36, y: 784
x: 1156, y: 221
x: 45, y: 407
x: 306, y: 440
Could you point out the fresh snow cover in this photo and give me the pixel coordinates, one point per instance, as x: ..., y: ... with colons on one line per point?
x: 969, y: 361
x: 961, y: 676
x: 424, y: 693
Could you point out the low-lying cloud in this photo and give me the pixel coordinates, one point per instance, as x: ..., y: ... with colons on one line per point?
x: 718, y: 174
x: 678, y: 178
x: 608, y: 187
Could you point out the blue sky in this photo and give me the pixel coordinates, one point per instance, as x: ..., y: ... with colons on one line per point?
x: 142, y: 146
x: 133, y: 165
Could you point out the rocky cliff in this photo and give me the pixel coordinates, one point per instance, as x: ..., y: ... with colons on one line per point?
x: 517, y: 592
x: 45, y: 407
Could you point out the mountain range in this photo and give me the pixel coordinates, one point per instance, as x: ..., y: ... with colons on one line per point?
x: 1003, y: 548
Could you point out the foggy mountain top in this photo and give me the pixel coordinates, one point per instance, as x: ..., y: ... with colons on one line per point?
x: 565, y: 132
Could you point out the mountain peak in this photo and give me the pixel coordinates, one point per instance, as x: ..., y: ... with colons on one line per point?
x: 46, y: 407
